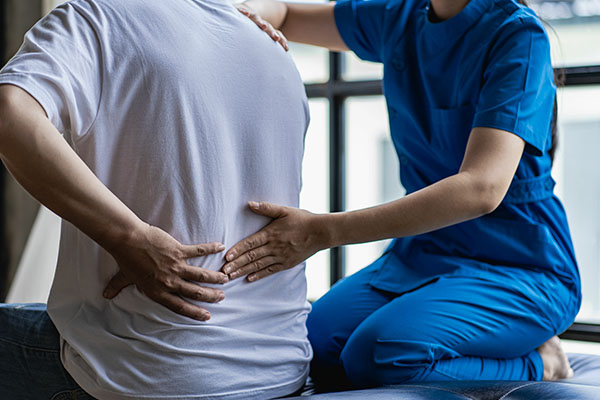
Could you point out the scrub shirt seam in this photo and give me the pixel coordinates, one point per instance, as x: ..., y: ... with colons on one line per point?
x: 525, y: 80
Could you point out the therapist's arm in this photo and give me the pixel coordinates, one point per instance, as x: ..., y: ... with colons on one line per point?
x: 303, y: 23
x: 489, y: 164
x: 46, y: 166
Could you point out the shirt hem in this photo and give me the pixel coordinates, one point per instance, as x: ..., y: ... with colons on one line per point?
x: 257, y: 394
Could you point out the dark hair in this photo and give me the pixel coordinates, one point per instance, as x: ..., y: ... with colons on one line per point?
x: 559, y: 78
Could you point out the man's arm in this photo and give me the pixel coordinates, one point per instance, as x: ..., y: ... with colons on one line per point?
x: 46, y: 166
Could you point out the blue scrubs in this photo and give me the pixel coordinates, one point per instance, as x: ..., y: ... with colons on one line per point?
x: 474, y: 300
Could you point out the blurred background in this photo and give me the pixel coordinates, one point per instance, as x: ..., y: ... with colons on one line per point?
x: 349, y: 161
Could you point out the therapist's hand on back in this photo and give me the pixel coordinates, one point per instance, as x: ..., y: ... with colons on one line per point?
x: 293, y: 236
x: 156, y: 264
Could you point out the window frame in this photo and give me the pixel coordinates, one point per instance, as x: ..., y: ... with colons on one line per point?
x: 337, y: 90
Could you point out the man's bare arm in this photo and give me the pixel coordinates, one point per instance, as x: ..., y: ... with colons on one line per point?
x: 46, y: 166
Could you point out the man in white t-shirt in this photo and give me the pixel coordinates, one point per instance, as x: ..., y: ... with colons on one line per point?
x: 173, y: 115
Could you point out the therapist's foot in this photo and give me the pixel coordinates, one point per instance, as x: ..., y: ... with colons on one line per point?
x: 556, y: 363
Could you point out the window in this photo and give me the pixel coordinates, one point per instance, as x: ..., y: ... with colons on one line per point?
x: 361, y: 154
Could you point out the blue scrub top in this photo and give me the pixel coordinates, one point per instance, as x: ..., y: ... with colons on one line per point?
x: 488, y: 66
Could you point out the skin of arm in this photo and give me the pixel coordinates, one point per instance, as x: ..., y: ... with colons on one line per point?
x: 46, y: 166
x: 491, y: 159
x: 303, y: 23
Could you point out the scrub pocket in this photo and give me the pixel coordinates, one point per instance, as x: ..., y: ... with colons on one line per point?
x: 450, y: 132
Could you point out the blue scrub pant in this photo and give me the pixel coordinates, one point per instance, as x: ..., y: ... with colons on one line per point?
x: 454, y: 328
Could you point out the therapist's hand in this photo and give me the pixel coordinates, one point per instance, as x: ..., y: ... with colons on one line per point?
x: 275, y: 34
x: 156, y: 264
x: 292, y: 237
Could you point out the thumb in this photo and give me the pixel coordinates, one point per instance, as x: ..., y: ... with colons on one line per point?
x: 116, y: 284
x: 267, y: 209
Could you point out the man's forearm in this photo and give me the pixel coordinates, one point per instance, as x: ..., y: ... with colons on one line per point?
x: 44, y: 164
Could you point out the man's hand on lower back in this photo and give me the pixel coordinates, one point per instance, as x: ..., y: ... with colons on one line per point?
x: 156, y: 264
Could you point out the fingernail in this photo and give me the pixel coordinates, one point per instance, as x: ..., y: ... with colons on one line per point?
x: 234, y: 275
x: 253, y: 204
x: 227, y: 269
x: 106, y: 294
x: 222, y: 297
x: 252, y: 278
x: 225, y: 279
x: 205, y: 317
x: 230, y: 256
x: 221, y: 247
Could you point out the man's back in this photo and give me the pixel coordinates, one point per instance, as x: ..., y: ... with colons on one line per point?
x: 186, y: 111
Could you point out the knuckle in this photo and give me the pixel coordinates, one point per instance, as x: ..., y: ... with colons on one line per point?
x: 175, y: 269
x: 202, y: 276
x: 257, y: 265
x: 199, y: 294
x: 179, y: 308
x: 252, y: 255
x: 201, y: 251
x: 168, y: 283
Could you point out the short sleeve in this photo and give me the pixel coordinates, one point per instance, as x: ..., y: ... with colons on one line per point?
x: 518, y: 85
x: 59, y: 65
x: 361, y: 25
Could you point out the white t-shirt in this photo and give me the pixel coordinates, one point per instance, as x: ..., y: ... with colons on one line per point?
x: 186, y: 111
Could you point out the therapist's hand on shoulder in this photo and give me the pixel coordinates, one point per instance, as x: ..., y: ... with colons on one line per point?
x: 156, y: 264
x: 265, y: 26
x: 292, y: 237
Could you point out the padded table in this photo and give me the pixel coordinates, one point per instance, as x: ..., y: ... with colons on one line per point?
x: 584, y: 385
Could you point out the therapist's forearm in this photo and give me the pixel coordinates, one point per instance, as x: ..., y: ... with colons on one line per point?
x: 272, y: 11
x: 44, y: 164
x: 450, y: 201
x: 307, y: 23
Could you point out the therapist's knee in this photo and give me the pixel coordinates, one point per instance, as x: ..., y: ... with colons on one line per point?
x: 321, y: 334
x: 371, y: 360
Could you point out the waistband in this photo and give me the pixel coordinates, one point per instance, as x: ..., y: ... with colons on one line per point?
x: 530, y: 190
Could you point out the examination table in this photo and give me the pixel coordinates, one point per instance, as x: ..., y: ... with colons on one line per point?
x: 583, y: 386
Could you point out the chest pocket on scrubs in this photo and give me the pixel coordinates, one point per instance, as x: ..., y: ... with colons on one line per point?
x: 450, y: 129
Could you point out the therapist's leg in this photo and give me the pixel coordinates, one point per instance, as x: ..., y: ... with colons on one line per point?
x: 333, y: 319
x: 30, y: 366
x: 455, y: 328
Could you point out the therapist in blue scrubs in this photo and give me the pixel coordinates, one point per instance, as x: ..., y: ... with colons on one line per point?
x: 481, y: 275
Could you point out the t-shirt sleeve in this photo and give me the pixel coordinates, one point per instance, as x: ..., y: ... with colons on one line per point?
x: 518, y: 85
x: 360, y: 24
x: 59, y: 65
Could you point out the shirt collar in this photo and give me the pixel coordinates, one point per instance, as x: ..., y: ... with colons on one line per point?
x: 453, y: 28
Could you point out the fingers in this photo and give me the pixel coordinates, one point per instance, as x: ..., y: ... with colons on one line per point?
x: 201, y: 250
x: 245, y: 259
x: 251, y: 242
x: 116, y: 284
x: 266, y: 272
x: 199, y: 293
x: 198, y: 274
x: 275, y: 34
x: 180, y: 306
x: 254, y: 266
x: 267, y: 209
